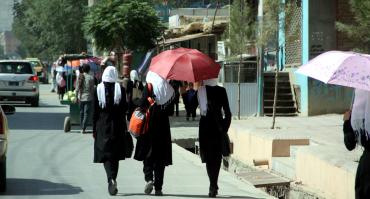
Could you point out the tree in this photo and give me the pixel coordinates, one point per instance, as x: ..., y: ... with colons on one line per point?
x: 242, y: 27
x: 359, y: 28
x: 1, y: 51
x: 276, y: 15
x: 120, y: 24
x: 242, y: 31
x: 48, y: 28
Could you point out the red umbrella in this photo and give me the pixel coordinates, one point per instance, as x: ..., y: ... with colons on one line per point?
x: 185, y: 65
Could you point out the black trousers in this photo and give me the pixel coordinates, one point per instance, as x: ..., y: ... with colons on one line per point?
x: 111, y: 169
x: 191, y: 112
x: 154, y: 172
x: 213, y: 170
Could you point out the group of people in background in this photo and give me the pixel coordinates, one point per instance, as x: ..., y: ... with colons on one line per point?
x: 112, y: 102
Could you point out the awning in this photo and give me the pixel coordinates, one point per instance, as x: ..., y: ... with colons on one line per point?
x: 185, y: 38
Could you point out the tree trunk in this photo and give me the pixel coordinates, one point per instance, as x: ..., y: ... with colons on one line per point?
x: 276, y: 86
x: 275, y: 99
x: 239, y: 71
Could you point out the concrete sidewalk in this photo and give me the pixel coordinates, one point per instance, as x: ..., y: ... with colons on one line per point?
x: 308, y: 150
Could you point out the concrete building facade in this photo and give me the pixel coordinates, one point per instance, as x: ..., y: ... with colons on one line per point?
x: 320, y: 35
x: 314, y: 21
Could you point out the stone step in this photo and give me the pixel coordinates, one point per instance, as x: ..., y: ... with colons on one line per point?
x: 272, y: 74
x: 280, y: 89
x: 271, y: 84
x: 294, y: 149
x: 261, y: 179
x: 285, y: 166
x: 282, y: 114
x: 289, y: 103
x: 280, y: 96
x: 280, y: 109
x: 279, y: 80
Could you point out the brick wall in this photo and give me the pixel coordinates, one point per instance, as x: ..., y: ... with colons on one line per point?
x: 345, y: 15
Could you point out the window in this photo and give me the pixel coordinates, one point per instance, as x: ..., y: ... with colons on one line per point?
x: 16, y: 67
x: 248, y: 72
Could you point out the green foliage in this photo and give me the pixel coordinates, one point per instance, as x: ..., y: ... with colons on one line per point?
x: 1, y: 51
x: 120, y: 24
x: 185, y: 3
x: 242, y: 27
x: 359, y: 28
x: 268, y: 34
x: 48, y: 28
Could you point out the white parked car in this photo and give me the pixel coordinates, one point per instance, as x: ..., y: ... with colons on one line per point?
x: 18, y: 82
x: 4, y: 130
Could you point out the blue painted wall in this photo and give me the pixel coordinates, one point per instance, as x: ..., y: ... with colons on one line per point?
x: 302, y: 81
x: 281, y: 58
x: 318, y: 36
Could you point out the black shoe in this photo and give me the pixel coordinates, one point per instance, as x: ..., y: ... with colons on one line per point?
x: 112, y: 188
x: 212, y: 193
x: 148, y: 187
x: 158, y: 193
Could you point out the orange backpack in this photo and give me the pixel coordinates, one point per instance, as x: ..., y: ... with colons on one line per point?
x: 139, y: 122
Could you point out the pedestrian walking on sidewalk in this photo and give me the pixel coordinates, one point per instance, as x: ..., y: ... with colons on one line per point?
x: 53, y: 73
x: 154, y: 148
x: 213, y: 126
x: 112, y: 141
x: 174, y: 108
x: 61, y: 82
x: 137, y: 90
x: 128, y: 85
x: 356, y: 129
x: 84, y: 92
x: 190, y: 101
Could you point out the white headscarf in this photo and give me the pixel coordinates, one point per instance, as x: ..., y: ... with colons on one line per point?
x: 110, y: 74
x: 202, y: 95
x: 162, y: 90
x: 360, y: 116
x: 134, y: 76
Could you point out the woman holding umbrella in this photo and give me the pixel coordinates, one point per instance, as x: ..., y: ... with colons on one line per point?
x: 356, y: 129
x: 154, y: 147
x: 213, y: 127
x: 192, y: 65
x: 112, y: 141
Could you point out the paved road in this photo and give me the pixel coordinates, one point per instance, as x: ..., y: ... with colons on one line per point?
x: 45, y: 162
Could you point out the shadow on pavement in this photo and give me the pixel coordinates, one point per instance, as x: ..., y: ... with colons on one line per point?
x: 36, y: 121
x: 40, y: 106
x: 187, y: 196
x: 206, y: 196
x: 16, y: 186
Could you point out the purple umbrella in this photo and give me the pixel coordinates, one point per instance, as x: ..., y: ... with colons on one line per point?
x: 340, y: 68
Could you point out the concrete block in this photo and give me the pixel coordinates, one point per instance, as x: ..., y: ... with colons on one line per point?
x: 281, y: 147
x: 285, y: 166
x: 332, y: 179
